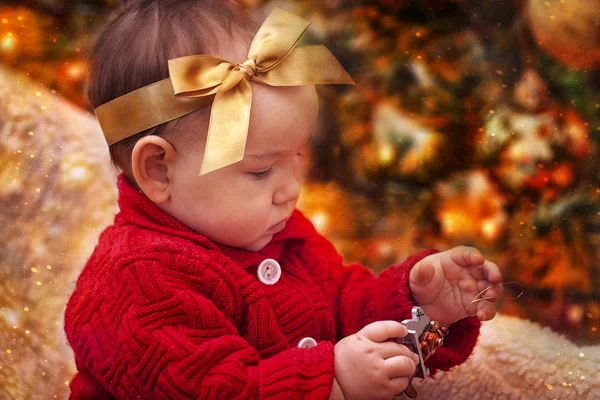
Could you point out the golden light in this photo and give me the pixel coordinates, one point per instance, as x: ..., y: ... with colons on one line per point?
x: 385, y: 249
x: 490, y: 228
x: 75, y: 71
x: 386, y: 153
x: 8, y: 44
x: 320, y: 220
x: 454, y: 222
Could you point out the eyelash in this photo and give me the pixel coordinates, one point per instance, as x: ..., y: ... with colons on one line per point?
x: 265, y: 174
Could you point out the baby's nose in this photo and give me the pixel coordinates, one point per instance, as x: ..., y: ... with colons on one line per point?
x: 288, y: 192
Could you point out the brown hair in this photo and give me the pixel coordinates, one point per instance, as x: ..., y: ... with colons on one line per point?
x: 140, y: 36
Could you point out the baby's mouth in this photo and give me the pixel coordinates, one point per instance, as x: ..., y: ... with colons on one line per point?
x: 277, y: 227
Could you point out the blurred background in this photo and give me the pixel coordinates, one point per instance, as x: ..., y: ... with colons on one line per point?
x: 472, y: 122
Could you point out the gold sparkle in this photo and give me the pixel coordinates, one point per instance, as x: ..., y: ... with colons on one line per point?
x: 9, y: 34
x: 37, y: 190
x: 8, y: 44
x: 49, y: 266
x: 34, y: 269
x: 30, y: 133
x: 581, y: 355
x: 4, y: 20
x: 38, y: 94
x: 550, y: 387
x: 38, y: 283
x: 14, y: 327
x: 27, y: 331
x: 43, y: 107
x: 26, y: 309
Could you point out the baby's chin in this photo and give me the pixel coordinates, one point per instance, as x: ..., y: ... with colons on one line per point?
x: 259, y: 243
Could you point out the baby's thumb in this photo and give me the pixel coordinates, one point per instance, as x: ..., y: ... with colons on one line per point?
x: 422, y: 274
x: 380, y: 331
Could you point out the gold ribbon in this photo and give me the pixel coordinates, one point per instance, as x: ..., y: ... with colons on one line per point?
x: 195, y: 81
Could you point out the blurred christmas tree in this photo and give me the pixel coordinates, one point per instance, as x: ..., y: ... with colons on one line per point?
x: 49, y: 39
x: 472, y: 123
x: 491, y: 112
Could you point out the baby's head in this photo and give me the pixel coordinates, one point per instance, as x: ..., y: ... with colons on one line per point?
x: 237, y: 205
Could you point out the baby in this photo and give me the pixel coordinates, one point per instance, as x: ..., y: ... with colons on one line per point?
x: 210, y: 284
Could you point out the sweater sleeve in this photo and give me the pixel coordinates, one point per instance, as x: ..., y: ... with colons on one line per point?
x: 156, y: 338
x: 359, y: 298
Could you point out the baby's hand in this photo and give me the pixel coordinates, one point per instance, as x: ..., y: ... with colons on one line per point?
x: 367, y: 366
x: 444, y: 284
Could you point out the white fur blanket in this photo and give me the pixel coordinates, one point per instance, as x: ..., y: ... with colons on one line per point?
x: 518, y: 359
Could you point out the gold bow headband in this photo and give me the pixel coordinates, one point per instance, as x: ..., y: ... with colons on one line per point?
x: 195, y: 81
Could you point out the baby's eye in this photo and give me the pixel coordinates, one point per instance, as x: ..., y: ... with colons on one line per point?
x: 263, y: 174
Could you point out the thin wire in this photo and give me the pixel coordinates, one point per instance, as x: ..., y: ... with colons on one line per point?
x: 475, y: 299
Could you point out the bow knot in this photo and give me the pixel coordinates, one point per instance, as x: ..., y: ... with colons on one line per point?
x: 248, y: 68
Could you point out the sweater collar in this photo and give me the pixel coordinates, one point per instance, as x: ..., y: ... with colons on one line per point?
x: 136, y: 208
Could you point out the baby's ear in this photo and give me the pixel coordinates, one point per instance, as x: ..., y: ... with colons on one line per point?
x: 151, y: 159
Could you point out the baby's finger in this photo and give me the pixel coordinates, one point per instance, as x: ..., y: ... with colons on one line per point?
x: 490, y: 295
x: 497, y: 289
x: 486, y: 271
x: 466, y: 256
x: 486, y: 311
x: 399, y: 366
x: 398, y: 384
x: 380, y: 331
x: 393, y: 349
x: 493, y: 273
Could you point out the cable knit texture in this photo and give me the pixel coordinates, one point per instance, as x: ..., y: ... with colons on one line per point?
x: 160, y: 311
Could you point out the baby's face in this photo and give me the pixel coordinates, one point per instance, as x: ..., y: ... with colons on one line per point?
x: 245, y: 204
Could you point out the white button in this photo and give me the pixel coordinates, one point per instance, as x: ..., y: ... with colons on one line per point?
x: 269, y: 271
x: 307, y: 343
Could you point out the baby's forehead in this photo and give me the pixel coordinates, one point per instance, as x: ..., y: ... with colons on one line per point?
x: 281, y: 118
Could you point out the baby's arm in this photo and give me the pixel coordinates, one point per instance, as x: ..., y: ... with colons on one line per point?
x: 359, y: 298
x: 172, y: 334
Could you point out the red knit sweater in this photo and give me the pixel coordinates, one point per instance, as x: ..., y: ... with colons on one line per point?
x: 160, y: 311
